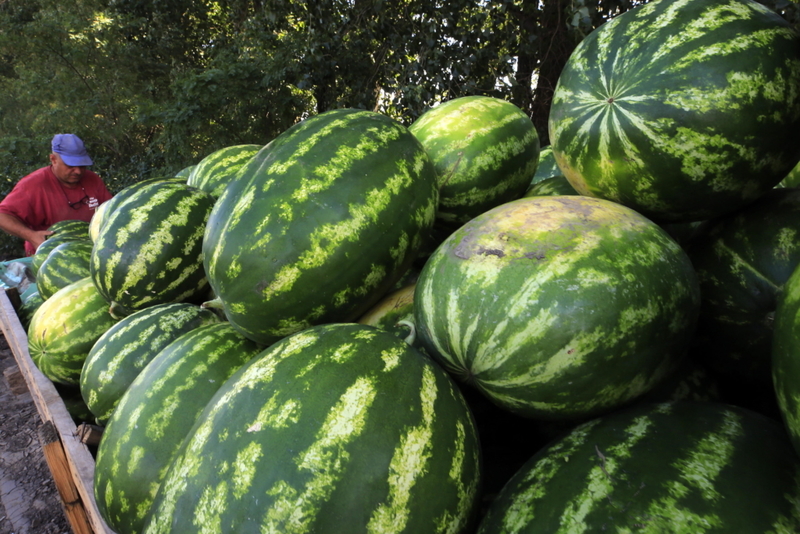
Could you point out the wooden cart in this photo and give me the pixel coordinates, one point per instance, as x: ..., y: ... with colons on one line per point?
x: 68, y: 457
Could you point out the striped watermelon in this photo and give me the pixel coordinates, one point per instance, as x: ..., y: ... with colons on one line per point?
x: 44, y: 250
x: 558, y: 307
x: 485, y: 150
x: 553, y: 186
x: 337, y: 428
x: 65, y: 264
x: 785, y: 363
x: 687, y: 467
x: 74, y: 227
x: 394, y: 313
x: 31, y: 301
x: 681, y: 109
x: 320, y: 224
x: 214, y: 171
x: 103, y: 211
x: 149, y: 251
x: 120, y: 354
x: 154, y: 416
x: 743, y: 261
x: 64, y: 328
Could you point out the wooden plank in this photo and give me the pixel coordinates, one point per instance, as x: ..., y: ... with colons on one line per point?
x: 51, y: 408
x: 57, y: 461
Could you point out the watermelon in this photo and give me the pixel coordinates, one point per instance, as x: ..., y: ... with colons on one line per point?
x: 65, y: 264
x: 154, y: 416
x: 785, y: 361
x: 74, y: 227
x: 683, y: 110
x: 320, y: 224
x: 684, y: 467
x: 31, y: 301
x: 103, y: 211
x: 394, y: 313
x: 185, y: 172
x: 214, y: 171
x: 553, y: 186
x: 337, y: 428
x: 485, y: 150
x: 547, y: 167
x: 44, y: 250
x: 64, y: 328
x: 742, y: 261
x: 149, y: 251
x: 558, y: 307
x: 120, y: 354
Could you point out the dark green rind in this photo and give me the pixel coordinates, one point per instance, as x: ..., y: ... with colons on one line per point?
x: 74, y: 227
x: 29, y: 307
x: 485, y: 150
x: 742, y: 261
x: 149, y: 250
x: 681, y: 468
x: 547, y: 168
x: 320, y: 224
x: 681, y: 109
x: 557, y: 185
x: 338, y: 428
x: 64, y: 328
x: 154, y: 416
x: 65, y: 264
x: 558, y: 307
x: 120, y: 354
x: 47, y: 247
x: 785, y: 361
x: 104, y: 210
x: 216, y: 170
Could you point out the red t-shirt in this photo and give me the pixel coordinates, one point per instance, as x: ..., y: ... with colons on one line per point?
x: 40, y: 200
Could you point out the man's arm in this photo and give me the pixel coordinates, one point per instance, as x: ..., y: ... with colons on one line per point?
x: 15, y: 227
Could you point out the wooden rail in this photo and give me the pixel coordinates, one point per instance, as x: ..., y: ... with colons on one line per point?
x: 74, y: 470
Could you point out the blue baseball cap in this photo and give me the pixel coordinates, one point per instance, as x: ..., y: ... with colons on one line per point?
x: 71, y: 149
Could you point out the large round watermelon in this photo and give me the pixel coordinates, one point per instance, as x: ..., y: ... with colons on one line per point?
x: 149, y: 251
x: 64, y: 328
x: 154, y: 415
x: 685, y: 467
x: 558, y: 307
x: 320, y: 224
x: 338, y: 428
x: 682, y: 110
x: 485, y: 150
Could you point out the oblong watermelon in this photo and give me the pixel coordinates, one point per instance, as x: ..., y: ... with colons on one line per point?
x: 320, y: 224
x: 742, y: 261
x: 684, y: 467
x: 64, y: 328
x: 120, y: 354
x: 65, y: 264
x: 337, y: 428
x: 155, y: 414
x: 681, y: 109
x: 558, y: 307
x: 485, y: 150
x: 217, y: 169
x: 149, y: 251
x: 784, y: 361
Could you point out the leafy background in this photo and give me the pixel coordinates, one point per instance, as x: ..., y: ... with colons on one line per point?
x: 154, y: 86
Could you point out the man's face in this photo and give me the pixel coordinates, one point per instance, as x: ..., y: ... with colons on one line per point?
x: 69, y: 176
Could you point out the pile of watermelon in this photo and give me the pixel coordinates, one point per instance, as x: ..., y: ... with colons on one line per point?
x: 363, y: 327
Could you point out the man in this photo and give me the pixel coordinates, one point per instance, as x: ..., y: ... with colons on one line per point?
x: 61, y: 191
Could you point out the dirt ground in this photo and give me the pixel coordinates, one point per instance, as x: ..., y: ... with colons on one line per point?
x: 29, y: 501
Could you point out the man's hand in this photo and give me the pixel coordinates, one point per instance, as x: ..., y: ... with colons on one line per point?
x: 37, y: 238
